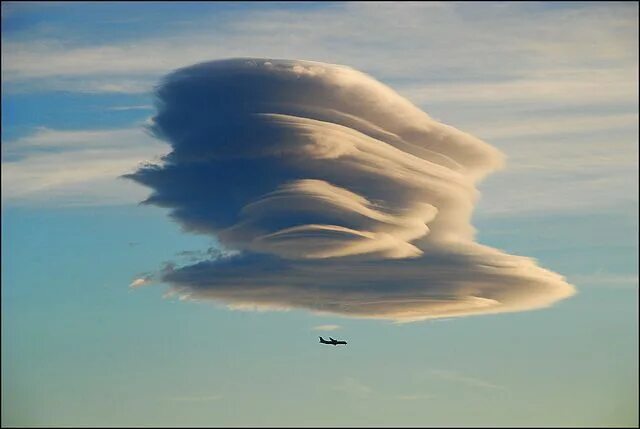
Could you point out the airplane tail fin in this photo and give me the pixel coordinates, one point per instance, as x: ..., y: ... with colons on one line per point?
x: 321, y: 340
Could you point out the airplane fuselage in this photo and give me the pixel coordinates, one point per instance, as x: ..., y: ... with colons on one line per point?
x: 332, y: 341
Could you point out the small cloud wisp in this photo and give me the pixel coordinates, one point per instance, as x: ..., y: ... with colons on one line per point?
x: 326, y: 327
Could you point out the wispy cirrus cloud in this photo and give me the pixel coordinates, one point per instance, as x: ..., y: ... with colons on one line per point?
x: 586, y: 54
x: 566, y: 88
x: 554, y: 127
x: 75, y: 167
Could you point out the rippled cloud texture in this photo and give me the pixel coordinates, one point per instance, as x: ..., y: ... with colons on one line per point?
x: 340, y: 196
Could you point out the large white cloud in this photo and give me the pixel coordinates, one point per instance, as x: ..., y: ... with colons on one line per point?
x: 341, y: 195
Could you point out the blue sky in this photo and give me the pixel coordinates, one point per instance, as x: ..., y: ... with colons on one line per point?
x: 554, y: 86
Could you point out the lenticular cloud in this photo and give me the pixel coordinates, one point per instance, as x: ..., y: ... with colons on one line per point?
x: 338, y: 195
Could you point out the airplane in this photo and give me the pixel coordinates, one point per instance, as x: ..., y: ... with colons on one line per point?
x: 332, y: 342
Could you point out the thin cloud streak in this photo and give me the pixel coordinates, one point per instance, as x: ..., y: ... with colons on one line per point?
x: 612, y: 87
x: 125, y: 108
x: 75, y: 167
x: 326, y: 327
x: 141, y: 281
x: 466, y: 380
x: 582, y: 124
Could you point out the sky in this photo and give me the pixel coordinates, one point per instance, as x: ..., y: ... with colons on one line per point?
x: 111, y: 311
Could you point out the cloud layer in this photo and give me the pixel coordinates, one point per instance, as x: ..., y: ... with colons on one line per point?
x: 340, y: 195
x: 75, y: 167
